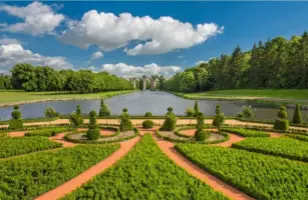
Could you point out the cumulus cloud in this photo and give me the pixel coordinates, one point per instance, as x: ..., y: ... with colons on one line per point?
x: 12, y: 54
x: 122, y: 69
x: 6, y: 41
x: 38, y: 18
x: 157, y: 36
x: 97, y: 55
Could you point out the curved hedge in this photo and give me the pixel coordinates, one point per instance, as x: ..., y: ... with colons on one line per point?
x: 23, y: 145
x: 245, y: 132
x: 48, y: 132
x: 263, y: 177
x: 145, y: 173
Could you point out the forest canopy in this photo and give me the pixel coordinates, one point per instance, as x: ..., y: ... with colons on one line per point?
x: 278, y: 64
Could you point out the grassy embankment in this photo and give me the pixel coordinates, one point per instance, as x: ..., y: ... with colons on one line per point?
x: 11, y: 97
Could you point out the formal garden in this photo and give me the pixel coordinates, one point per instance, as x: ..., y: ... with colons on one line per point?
x: 150, y: 157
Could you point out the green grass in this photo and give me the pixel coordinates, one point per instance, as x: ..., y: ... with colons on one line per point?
x: 32, y: 175
x: 291, y: 94
x: 15, y: 96
x: 261, y: 176
x: 284, y: 147
x: 145, y: 173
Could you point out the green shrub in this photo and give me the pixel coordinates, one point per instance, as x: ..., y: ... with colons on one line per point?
x: 196, y: 108
x: 170, y: 121
x: 148, y: 114
x: 126, y: 124
x: 51, y: 112
x: 219, y: 118
x: 200, y: 121
x: 190, y: 112
x: 247, y: 112
x: 93, y: 132
x: 281, y: 124
x: 15, y: 124
x: 76, y: 118
x: 245, y: 132
x: 104, y: 109
x: 147, y: 124
x: 48, y: 132
x: 201, y: 135
x: 297, y: 116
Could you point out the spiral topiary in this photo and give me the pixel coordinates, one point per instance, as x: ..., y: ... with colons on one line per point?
x: 93, y: 132
x: 126, y: 124
x: 200, y: 120
x: 104, y: 109
x: 219, y: 117
x: 282, y: 123
x: 76, y: 118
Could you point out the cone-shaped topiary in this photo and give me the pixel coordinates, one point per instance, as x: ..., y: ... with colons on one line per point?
x: 282, y: 123
x: 93, y: 132
x: 297, y: 116
x: 196, y: 108
x: 16, y: 122
x: 219, y: 117
x: 126, y: 124
x: 200, y: 121
x: 104, y: 109
x: 76, y: 118
x: 170, y: 121
x: 78, y: 110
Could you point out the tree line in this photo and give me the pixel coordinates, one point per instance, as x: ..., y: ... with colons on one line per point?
x: 30, y: 78
x: 278, y: 64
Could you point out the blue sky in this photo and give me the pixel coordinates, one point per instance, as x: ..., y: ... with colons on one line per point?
x: 58, y: 36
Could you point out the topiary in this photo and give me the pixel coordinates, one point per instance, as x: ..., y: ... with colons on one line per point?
x: 200, y: 120
x: 51, y: 112
x: 297, y: 116
x: 147, y: 124
x: 104, y: 109
x: 78, y: 110
x: 76, y: 118
x: 201, y: 135
x: 196, y: 108
x: 93, y: 132
x: 148, y: 114
x: 190, y: 112
x: 126, y: 124
x: 170, y: 121
x: 16, y: 122
x: 219, y: 118
x: 282, y: 123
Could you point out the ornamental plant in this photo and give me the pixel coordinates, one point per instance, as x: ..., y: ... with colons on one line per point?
x: 148, y: 114
x: 147, y: 124
x: 219, y: 117
x: 16, y: 121
x: 76, y: 118
x: 190, y: 112
x: 126, y: 124
x: 200, y: 121
x: 196, y: 108
x: 200, y: 135
x: 297, y: 116
x: 93, y: 132
x: 50, y: 112
x: 282, y: 123
x: 170, y: 121
x: 248, y: 112
x: 104, y: 109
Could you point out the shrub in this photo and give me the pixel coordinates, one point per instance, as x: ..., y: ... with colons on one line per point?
x: 126, y: 124
x: 196, y: 108
x: 148, y: 114
x: 16, y: 114
x: 247, y: 112
x: 219, y: 117
x: 240, y: 115
x: 282, y: 123
x: 297, y: 116
x: 48, y: 132
x: 245, y: 132
x: 76, y: 118
x: 104, y: 109
x: 190, y: 112
x: 170, y: 121
x: 16, y: 122
x: 50, y: 112
x: 93, y: 132
x: 147, y: 124
x: 200, y: 135
x: 200, y: 120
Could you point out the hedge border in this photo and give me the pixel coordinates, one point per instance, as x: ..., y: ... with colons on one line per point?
x: 177, y: 130
x: 262, y: 134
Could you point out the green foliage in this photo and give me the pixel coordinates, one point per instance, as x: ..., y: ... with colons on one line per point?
x: 217, y: 110
x: 196, y: 108
x: 15, y: 124
x: 247, y: 112
x: 147, y: 124
x: 219, y: 118
x: 16, y: 114
x: 284, y: 147
x: 104, y: 109
x: 78, y: 110
x: 31, y: 175
x: 76, y: 118
x: 51, y: 112
x: 200, y: 120
x: 170, y: 121
x: 93, y: 132
x: 48, y: 132
x: 145, y: 173
x: 126, y: 124
x: 281, y: 124
x: 190, y: 112
x: 297, y: 116
x: 23, y: 145
x: 245, y: 132
x: 261, y: 176
x: 148, y: 114
x: 92, y: 118
x: 201, y: 135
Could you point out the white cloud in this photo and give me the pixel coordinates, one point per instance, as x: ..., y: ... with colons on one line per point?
x: 180, y: 57
x: 12, y: 54
x: 97, y: 55
x: 162, y: 35
x: 38, y: 18
x: 6, y: 41
x: 122, y: 69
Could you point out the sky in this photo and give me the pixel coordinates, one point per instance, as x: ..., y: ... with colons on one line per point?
x: 138, y: 38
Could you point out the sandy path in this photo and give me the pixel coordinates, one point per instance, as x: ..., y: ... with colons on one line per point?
x: 87, y: 175
x: 218, y: 185
x: 17, y: 134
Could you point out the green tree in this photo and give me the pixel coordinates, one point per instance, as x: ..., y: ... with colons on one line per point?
x: 51, y: 112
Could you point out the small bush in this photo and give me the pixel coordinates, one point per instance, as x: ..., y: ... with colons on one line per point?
x: 104, y: 109
x: 281, y: 124
x: 15, y: 124
x: 190, y: 112
x: 219, y: 118
x: 148, y: 114
x: 51, y: 112
x: 170, y: 121
x: 297, y: 116
x: 201, y: 135
x: 148, y: 124
x: 248, y: 112
x: 93, y: 134
x: 200, y: 121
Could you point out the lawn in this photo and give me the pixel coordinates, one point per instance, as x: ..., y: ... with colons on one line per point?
x: 299, y: 94
x: 16, y: 96
x: 263, y: 177
x: 145, y: 173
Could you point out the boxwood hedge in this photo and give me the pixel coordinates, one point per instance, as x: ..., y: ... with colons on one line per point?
x: 245, y: 132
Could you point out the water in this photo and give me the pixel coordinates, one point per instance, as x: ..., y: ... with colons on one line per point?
x: 140, y: 102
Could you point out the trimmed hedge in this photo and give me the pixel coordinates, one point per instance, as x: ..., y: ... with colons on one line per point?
x: 281, y: 124
x: 48, y: 132
x: 145, y: 173
x: 32, y: 175
x: 245, y: 132
x: 261, y: 176
x: 201, y: 135
x: 298, y: 137
x: 147, y: 124
x: 15, y: 124
x: 23, y: 145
